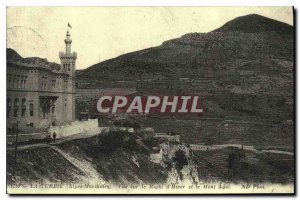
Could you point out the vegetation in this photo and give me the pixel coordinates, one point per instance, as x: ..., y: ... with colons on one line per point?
x: 180, y: 160
x: 242, y: 165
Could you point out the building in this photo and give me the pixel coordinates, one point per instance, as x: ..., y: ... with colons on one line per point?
x: 199, y: 147
x: 168, y: 136
x: 40, y: 93
x: 157, y: 156
x: 204, y: 147
x: 146, y: 133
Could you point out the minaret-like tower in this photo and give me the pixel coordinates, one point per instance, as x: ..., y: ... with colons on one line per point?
x: 68, y: 59
x: 68, y: 42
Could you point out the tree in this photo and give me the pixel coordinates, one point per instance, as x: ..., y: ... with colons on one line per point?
x: 180, y: 159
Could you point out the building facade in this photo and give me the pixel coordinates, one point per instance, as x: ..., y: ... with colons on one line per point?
x: 40, y: 93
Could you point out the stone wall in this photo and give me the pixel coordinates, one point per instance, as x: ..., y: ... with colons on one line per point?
x: 89, y: 127
x: 26, y: 137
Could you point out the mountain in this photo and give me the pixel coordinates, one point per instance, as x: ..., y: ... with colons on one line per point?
x: 13, y: 56
x: 254, y: 24
x: 249, y: 44
x: 242, y: 71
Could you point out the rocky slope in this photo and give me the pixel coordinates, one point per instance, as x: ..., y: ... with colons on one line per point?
x: 122, y: 161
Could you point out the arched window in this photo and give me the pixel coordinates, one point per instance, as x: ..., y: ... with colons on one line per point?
x: 23, y: 107
x: 8, y: 107
x: 16, y: 107
x: 31, y: 109
x: 53, y: 110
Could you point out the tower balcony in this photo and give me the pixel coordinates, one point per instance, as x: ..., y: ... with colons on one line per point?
x: 64, y: 55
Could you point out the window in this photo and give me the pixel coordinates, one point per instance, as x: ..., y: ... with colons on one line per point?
x: 53, y: 82
x: 8, y: 108
x: 15, y: 81
x: 9, y: 80
x: 18, y: 86
x: 23, y: 81
x: 46, y: 82
x: 16, y: 107
x: 31, y: 109
x: 53, y: 109
x: 23, y: 107
x: 42, y: 82
x: 66, y: 84
x: 45, y: 106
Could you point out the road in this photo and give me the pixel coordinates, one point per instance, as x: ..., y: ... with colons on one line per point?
x: 58, y: 141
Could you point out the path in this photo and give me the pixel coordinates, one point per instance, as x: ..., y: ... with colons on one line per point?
x: 58, y: 141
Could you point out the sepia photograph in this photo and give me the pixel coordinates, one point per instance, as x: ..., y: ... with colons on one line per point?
x: 150, y: 100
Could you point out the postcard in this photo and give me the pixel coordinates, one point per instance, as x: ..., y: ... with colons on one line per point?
x: 150, y: 100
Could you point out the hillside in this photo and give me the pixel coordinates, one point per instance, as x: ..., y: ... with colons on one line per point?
x: 116, y: 159
x: 250, y: 45
x: 242, y: 71
x: 13, y: 56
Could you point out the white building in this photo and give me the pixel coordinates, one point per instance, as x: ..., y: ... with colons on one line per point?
x: 167, y: 136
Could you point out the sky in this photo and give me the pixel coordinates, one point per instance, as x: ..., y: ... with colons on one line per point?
x: 101, y: 33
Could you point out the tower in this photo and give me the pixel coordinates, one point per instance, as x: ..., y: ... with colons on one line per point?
x: 68, y: 59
